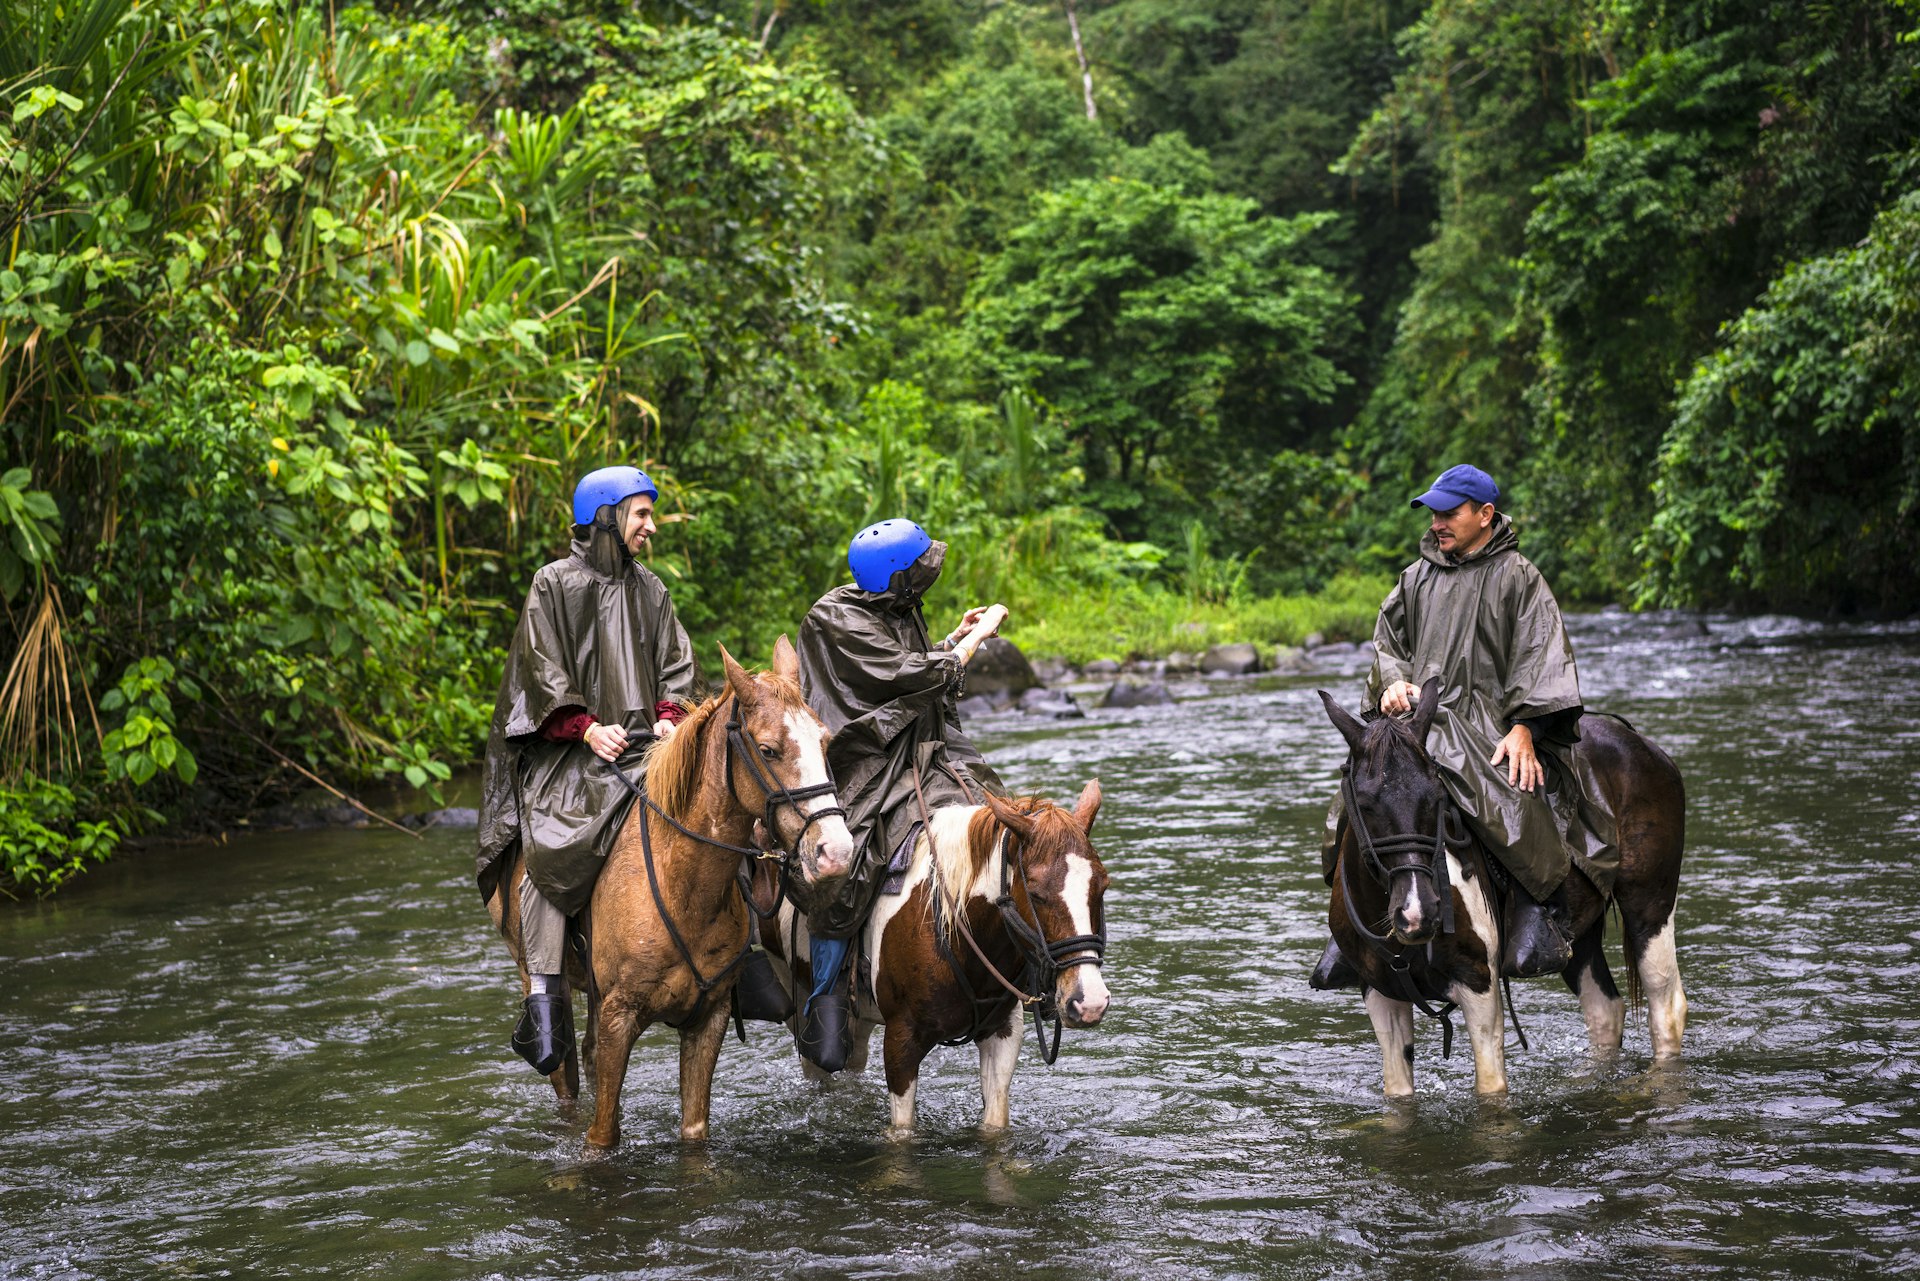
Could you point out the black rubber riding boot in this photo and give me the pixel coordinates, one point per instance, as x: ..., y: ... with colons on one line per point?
x: 1334, y: 971
x: 544, y: 1034
x: 759, y: 992
x: 827, y: 1037
x: 1538, y: 938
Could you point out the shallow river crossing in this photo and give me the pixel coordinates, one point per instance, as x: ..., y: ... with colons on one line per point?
x: 286, y: 1056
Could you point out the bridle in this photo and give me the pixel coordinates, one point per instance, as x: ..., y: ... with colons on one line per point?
x: 1448, y: 828
x: 788, y: 854
x: 1042, y: 960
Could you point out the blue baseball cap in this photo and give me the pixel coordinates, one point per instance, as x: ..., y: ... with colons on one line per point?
x: 1457, y: 485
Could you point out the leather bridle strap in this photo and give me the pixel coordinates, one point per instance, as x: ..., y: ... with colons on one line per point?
x: 737, y: 741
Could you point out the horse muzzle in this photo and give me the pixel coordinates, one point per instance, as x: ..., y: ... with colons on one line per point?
x: 826, y: 854
x: 1085, y: 1003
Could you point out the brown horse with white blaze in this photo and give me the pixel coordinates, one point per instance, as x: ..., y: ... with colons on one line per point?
x: 668, y: 923
x: 1001, y: 909
x: 1412, y: 904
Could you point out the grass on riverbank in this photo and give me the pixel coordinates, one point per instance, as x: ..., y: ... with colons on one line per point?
x: 1152, y: 622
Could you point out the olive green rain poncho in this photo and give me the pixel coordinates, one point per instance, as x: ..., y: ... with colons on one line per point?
x: 598, y: 632
x: 889, y: 697
x: 1489, y: 628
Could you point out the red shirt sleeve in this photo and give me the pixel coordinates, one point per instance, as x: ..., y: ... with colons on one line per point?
x: 566, y: 725
x: 669, y: 711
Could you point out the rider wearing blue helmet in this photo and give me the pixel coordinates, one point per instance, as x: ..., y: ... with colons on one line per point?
x: 599, y: 667
x: 888, y: 694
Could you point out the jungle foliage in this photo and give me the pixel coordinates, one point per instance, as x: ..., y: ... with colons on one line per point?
x: 311, y: 314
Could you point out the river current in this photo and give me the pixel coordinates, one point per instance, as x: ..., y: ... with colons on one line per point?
x: 285, y: 1056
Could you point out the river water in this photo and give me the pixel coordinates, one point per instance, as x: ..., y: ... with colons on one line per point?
x: 286, y: 1056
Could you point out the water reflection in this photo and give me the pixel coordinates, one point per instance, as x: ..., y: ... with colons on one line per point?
x: 287, y: 1056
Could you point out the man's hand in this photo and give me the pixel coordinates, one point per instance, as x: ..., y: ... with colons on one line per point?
x: 1399, y: 698
x: 1523, y: 767
x: 605, y: 741
x: 967, y: 620
x: 664, y: 729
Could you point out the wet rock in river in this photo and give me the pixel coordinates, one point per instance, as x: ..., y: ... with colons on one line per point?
x: 1053, y: 670
x: 1101, y: 667
x: 1000, y: 668
x: 1137, y: 693
x: 1054, y: 703
x: 1181, y: 661
x: 976, y: 705
x: 1240, y: 659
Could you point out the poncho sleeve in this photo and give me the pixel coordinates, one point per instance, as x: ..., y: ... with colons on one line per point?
x: 537, y: 680
x: 1537, y: 676
x: 1392, y: 647
x: 672, y: 654
x: 872, y: 684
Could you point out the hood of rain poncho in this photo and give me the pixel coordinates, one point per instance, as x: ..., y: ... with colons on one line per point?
x: 598, y: 632
x: 867, y: 668
x: 1488, y: 626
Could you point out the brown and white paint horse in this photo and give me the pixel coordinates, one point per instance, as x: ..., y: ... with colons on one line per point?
x: 973, y: 866
x: 1399, y: 796
x: 755, y: 752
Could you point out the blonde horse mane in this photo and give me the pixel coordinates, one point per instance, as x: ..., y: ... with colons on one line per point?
x: 964, y: 840
x: 672, y: 765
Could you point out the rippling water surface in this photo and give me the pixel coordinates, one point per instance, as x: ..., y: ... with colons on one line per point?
x: 287, y: 1056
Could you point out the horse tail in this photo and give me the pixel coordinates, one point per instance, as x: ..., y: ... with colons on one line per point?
x: 1635, y: 996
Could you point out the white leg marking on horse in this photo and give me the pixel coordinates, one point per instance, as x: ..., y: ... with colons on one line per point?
x: 1486, y: 1025
x: 998, y: 1055
x: 1666, y: 998
x: 1606, y: 1015
x: 1393, y: 1025
x: 900, y: 1106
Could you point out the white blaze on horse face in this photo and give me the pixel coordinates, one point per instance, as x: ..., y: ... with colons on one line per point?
x: 1082, y: 990
x: 828, y: 842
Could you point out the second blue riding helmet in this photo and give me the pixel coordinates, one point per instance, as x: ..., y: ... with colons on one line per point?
x: 608, y: 487
x: 880, y: 551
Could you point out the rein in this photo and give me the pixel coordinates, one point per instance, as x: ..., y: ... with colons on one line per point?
x: 1042, y: 959
x: 787, y: 855
x: 1447, y: 826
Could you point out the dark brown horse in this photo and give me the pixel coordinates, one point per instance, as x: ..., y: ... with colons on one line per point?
x: 754, y: 754
x: 1002, y: 910
x: 1388, y: 915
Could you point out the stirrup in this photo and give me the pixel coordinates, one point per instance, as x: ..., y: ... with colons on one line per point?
x: 826, y: 1038
x: 544, y: 1035
x: 1334, y: 971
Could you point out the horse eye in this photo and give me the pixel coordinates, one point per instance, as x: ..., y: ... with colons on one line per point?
x: 767, y: 752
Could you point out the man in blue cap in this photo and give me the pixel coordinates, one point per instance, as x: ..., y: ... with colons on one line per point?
x: 888, y: 693
x: 599, y: 668
x: 1476, y: 613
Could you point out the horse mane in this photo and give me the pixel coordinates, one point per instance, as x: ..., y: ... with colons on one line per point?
x: 672, y: 765
x: 961, y: 857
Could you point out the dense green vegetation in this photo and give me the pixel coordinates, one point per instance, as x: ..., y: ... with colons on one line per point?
x: 311, y: 314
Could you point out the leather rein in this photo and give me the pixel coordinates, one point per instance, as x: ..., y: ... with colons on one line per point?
x: 1042, y: 960
x: 1448, y: 828
x: 738, y: 744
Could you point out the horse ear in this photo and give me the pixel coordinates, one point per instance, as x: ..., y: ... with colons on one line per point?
x: 1429, y: 707
x: 737, y: 679
x: 1350, y: 729
x: 1021, y: 824
x: 785, y: 662
x: 1087, y: 806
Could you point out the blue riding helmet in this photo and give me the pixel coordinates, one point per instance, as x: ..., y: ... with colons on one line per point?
x: 880, y: 551
x: 606, y: 487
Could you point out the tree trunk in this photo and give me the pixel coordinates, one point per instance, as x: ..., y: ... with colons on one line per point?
x: 1086, y: 72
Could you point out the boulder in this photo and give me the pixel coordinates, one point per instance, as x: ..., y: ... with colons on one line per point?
x: 1101, y: 667
x: 976, y: 705
x: 1181, y: 661
x: 1314, y: 640
x: 1000, y: 668
x: 1055, y: 703
x: 1148, y: 667
x: 1287, y: 658
x: 1053, y: 671
x: 1240, y: 659
x: 1137, y: 693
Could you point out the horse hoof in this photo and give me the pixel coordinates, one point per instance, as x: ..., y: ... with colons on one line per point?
x: 694, y: 1133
